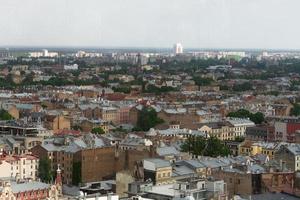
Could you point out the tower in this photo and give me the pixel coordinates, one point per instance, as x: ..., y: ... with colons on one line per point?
x: 178, y: 49
x: 58, y: 180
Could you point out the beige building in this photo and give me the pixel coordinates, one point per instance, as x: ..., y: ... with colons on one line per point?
x: 59, y: 122
x: 158, y: 170
x: 19, y: 167
x: 110, y: 114
x: 227, y: 130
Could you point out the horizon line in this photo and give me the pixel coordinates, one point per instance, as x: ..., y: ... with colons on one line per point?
x: 140, y: 47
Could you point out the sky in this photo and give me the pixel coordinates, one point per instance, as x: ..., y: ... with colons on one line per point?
x: 251, y: 24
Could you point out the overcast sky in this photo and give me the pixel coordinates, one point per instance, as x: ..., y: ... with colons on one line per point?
x: 151, y: 23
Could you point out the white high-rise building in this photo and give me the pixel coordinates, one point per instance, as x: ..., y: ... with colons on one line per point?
x: 45, y: 52
x: 178, y: 49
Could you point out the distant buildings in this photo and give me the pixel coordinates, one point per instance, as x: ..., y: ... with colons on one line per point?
x: 178, y: 49
x: 43, y: 53
x: 71, y: 67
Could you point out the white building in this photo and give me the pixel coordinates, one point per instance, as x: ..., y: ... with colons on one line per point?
x: 178, y: 49
x: 43, y: 53
x: 240, y: 125
x: 71, y: 67
x: 22, y: 167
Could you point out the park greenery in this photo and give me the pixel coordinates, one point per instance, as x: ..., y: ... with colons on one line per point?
x: 242, y: 87
x: 4, y: 115
x: 158, y: 90
x: 201, y: 146
x: 257, y: 117
x: 295, y: 111
x: 202, y: 81
x: 44, y: 171
x: 98, y: 130
x: 76, y: 173
x: 147, y: 118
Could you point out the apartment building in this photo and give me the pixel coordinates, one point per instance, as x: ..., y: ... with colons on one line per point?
x: 19, y: 167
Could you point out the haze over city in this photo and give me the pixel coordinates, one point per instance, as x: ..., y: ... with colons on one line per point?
x: 259, y: 24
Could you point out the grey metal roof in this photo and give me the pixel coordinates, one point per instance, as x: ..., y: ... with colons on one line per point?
x: 159, y: 163
x: 72, y: 144
x: 167, y: 150
x: 28, y: 186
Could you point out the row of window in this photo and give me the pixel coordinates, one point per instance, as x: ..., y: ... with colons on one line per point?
x: 163, y: 175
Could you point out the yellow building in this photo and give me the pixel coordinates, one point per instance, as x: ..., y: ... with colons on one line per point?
x: 228, y: 129
x: 158, y: 170
x: 250, y: 148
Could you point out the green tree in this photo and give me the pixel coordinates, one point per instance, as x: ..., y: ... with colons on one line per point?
x: 44, y: 171
x: 4, y: 115
x: 147, y: 118
x: 215, y: 148
x: 257, y: 117
x: 98, y: 130
x: 123, y: 89
x: 202, y: 81
x: 199, y: 145
x: 153, y: 89
x: 242, y: 87
x: 295, y: 111
x: 239, y: 139
x: 76, y: 173
x: 194, y: 145
x: 76, y: 127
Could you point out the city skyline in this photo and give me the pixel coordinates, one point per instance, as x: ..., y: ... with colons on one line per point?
x: 203, y: 24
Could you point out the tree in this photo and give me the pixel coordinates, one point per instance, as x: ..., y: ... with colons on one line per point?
x: 239, y: 139
x: 257, y: 117
x: 4, y: 115
x: 123, y: 89
x: 44, y: 171
x: 153, y: 89
x: 76, y: 127
x: 199, y: 145
x: 194, y: 145
x: 215, y: 148
x: 44, y: 105
x: 76, y: 173
x: 295, y: 111
x: 202, y: 81
x: 147, y: 118
x: 242, y: 87
x: 98, y: 130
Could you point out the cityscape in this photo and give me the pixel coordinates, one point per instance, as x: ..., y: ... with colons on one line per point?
x: 137, y: 115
